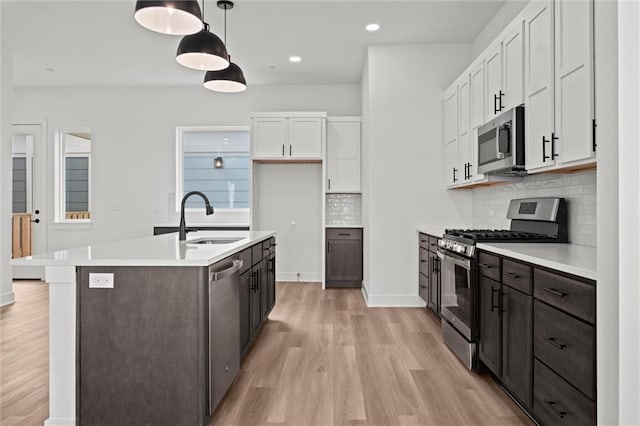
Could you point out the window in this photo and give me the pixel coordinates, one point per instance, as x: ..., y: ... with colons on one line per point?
x: 215, y: 161
x: 73, y: 175
x: 22, y: 150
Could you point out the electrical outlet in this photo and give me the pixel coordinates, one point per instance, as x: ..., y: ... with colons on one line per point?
x: 100, y: 280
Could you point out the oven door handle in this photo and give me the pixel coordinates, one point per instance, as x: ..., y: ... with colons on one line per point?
x: 455, y: 259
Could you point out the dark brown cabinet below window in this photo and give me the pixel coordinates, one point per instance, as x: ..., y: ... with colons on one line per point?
x: 344, y: 258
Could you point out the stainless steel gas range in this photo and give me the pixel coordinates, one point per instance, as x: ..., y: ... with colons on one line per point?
x: 532, y: 220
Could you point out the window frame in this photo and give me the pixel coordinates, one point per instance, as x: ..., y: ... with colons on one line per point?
x: 180, y: 164
x: 60, y: 191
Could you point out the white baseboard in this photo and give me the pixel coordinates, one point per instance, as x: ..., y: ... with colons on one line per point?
x: 60, y: 421
x: 7, y: 298
x: 314, y: 277
x: 393, y: 300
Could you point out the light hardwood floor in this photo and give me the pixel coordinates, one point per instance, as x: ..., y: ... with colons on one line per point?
x: 323, y: 358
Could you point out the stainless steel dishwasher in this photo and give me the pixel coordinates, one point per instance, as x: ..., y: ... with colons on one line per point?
x: 224, y: 328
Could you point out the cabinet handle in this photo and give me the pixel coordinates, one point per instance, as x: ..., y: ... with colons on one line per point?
x: 552, y: 405
x: 431, y: 244
x: 500, y: 95
x: 512, y: 275
x: 433, y: 264
x: 438, y: 263
x: 555, y: 292
x: 493, y: 291
x: 554, y: 138
x: 423, y: 241
x: 423, y: 261
x: 545, y: 157
x: 495, y: 103
x: 422, y: 286
x: 329, y: 183
x: 328, y: 247
x: 344, y: 234
x: 290, y: 152
x: 283, y: 150
x: 555, y: 343
x: 593, y: 135
x: 485, y: 265
x: 454, y: 175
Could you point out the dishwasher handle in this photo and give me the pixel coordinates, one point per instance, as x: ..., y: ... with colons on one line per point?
x: 219, y: 275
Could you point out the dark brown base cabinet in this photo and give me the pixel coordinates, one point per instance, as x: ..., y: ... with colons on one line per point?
x: 537, y: 336
x: 429, y: 272
x: 157, y: 348
x: 343, y: 258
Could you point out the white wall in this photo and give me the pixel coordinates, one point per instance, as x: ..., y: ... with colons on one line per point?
x: 6, y: 83
x: 365, y: 171
x: 133, y: 131
x: 403, y: 168
x: 629, y: 212
x: 501, y: 19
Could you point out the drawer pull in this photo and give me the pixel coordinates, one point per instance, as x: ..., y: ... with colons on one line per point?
x: 552, y: 405
x: 512, y: 275
x: 555, y: 343
x: 432, y: 244
x: 423, y: 261
x: 555, y: 292
x: 485, y: 265
x: 493, y: 291
x: 344, y: 234
x: 423, y: 241
x: 423, y: 286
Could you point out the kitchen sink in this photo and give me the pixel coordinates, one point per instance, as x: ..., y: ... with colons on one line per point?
x: 218, y: 240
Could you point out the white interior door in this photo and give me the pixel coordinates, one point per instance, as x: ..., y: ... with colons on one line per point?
x: 29, y: 190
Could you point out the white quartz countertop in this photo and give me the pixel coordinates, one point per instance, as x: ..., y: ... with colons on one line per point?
x: 192, y: 224
x: 569, y: 258
x: 436, y: 230
x: 343, y: 226
x: 160, y: 250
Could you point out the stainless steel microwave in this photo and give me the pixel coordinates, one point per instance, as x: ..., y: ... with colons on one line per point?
x: 501, y: 144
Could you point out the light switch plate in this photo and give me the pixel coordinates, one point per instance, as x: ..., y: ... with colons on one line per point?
x: 100, y: 280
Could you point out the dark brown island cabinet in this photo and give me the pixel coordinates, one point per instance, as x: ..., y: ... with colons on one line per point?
x: 429, y: 271
x: 537, y: 337
x: 164, y: 344
x: 343, y: 258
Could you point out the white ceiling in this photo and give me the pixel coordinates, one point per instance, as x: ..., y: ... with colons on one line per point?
x: 92, y: 42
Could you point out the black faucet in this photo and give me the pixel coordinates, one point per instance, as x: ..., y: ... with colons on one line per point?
x: 183, y: 229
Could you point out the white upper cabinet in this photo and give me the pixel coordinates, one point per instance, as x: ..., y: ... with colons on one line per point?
x: 513, y: 70
x: 477, y: 94
x: 493, y: 86
x: 559, y: 84
x: 284, y: 136
x: 574, y: 80
x: 539, y: 84
x: 451, y: 172
x: 465, y: 147
x: 451, y: 114
x: 343, y: 154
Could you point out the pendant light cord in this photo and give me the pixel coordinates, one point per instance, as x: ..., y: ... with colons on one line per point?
x: 225, y: 25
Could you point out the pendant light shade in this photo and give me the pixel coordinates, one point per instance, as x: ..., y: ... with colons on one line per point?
x: 203, y: 51
x: 179, y: 17
x: 230, y: 80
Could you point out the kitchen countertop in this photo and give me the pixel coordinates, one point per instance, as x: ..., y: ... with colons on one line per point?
x: 160, y: 250
x: 570, y: 258
x: 435, y: 230
x: 193, y: 224
x: 344, y: 226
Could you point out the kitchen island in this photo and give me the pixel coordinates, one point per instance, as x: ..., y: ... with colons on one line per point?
x: 134, y: 346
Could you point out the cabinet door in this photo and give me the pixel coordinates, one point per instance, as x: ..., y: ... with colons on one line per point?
x: 343, y: 156
x: 246, y: 282
x: 451, y: 170
x: 539, y: 84
x: 489, y: 340
x: 434, y: 283
x: 513, y: 75
x: 517, y: 344
x: 268, y: 137
x: 493, y: 78
x: 574, y: 80
x: 451, y: 115
x: 305, y: 138
x: 423, y: 287
x: 256, y: 317
x: 271, y: 282
x: 465, y: 150
x: 344, y: 260
x: 478, y: 96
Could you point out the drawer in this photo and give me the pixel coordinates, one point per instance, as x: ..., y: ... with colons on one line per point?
x: 556, y: 402
x: 489, y: 266
x: 423, y: 241
x: 423, y: 287
x: 517, y: 275
x: 423, y: 262
x: 433, y: 243
x: 344, y: 233
x: 570, y: 295
x: 566, y: 345
x: 256, y: 253
x: 245, y: 256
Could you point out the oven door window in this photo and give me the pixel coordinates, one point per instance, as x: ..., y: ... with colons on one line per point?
x: 457, y: 297
x: 504, y: 140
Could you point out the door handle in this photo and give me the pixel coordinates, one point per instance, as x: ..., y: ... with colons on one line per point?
x: 454, y: 175
x: 554, y: 138
x: 493, y: 291
x: 329, y: 184
x: 283, y: 150
x: 290, y: 152
x: 500, y: 95
x: 545, y: 157
x: 495, y: 103
x: 36, y: 221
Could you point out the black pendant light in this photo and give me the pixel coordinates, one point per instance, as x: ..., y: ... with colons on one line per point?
x: 203, y: 50
x: 231, y: 79
x: 179, y: 17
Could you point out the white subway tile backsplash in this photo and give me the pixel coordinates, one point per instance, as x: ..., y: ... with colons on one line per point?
x: 578, y: 189
x: 343, y: 209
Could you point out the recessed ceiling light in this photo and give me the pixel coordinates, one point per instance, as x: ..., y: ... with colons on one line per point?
x: 373, y: 27
x: 49, y: 69
x: 295, y: 59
